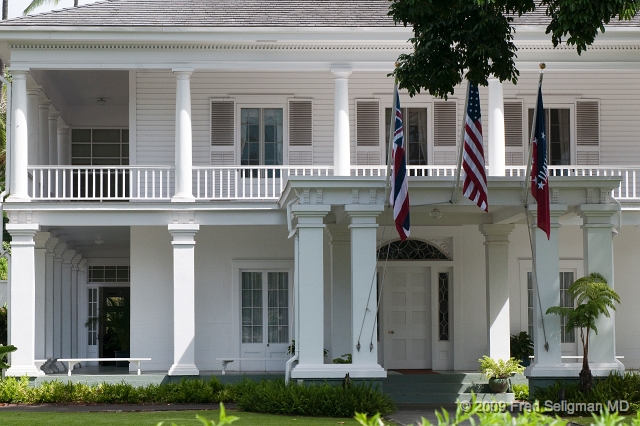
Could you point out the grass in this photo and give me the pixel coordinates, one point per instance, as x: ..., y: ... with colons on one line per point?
x: 186, y: 418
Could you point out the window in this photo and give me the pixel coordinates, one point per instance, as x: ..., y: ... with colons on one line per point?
x: 558, y: 128
x: 566, y: 279
x: 109, y: 274
x: 92, y: 327
x: 100, y: 147
x: 261, y: 136
x: 255, y: 297
x: 415, y: 134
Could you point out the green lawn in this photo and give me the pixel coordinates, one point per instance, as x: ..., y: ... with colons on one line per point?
x: 186, y: 418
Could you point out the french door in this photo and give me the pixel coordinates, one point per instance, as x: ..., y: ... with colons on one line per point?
x: 265, y: 319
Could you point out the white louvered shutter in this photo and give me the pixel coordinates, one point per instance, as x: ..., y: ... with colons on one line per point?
x: 220, y: 183
x: 513, y: 133
x: 300, y: 132
x: 368, y: 132
x: 588, y: 132
x: 445, y: 130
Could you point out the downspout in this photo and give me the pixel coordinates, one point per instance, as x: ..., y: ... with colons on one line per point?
x: 292, y: 232
x: 8, y: 143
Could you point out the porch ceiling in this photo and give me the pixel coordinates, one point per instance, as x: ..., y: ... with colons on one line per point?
x: 82, y: 239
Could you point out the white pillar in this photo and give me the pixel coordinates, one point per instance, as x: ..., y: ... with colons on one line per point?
x: 364, y: 259
x: 43, y: 128
x: 48, y: 303
x: 66, y: 303
x: 547, y: 363
x: 64, y: 147
x: 74, y: 305
x: 341, y: 133
x: 340, y: 291
x: 183, y: 299
x: 310, y: 292
x: 184, y: 156
x: 22, y: 297
x: 20, y: 149
x: 53, y: 136
x: 40, y: 250
x: 598, y: 257
x: 496, y: 249
x: 33, y: 121
x: 59, y: 251
x: 496, y: 128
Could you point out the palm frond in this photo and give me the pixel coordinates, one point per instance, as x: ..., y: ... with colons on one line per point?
x: 36, y: 4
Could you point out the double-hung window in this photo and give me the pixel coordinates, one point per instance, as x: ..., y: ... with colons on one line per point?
x: 261, y: 136
x: 414, y: 122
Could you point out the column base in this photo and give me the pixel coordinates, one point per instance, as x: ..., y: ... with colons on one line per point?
x: 598, y: 369
x: 24, y: 370
x: 183, y: 198
x: 184, y: 370
x: 337, y: 371
x: 18, y: 198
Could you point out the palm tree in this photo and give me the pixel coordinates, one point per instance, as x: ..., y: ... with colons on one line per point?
x: 37, y: 3
x: 594, y: 297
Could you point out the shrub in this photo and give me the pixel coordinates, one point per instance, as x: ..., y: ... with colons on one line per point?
x: 521, y: 391
x: 274, y: 397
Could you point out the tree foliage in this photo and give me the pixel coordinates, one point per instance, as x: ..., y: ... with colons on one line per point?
x: 454, y: 39
x: 593, y: 298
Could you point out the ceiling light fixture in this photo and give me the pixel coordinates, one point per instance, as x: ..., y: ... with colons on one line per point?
x: 435, y: 214
x: 99, y: 240
x: 101, y: 101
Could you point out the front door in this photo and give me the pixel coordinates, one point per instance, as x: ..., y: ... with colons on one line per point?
x: 406, y: 329
x: 265, y: 299
x: 114, y: 322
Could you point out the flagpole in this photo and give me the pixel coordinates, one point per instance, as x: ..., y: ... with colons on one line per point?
x: 527, y: 180
x: 390, y: 148
x: 454, y: 192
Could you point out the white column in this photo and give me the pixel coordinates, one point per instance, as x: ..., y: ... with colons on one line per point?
x: 364, y: 348
x: 183, y: 299
x: 341, y: 133
x: 184, y: 156
x: 59, y: 251
x: 53, y: 136
x: 598, y: 257
x: 40, y: 250
x: 48, y: 301
x: 43, y: 128
x: 74, y: 305
x: 547, y: 363
x: 22, y: 298
x: 20, y: 149
x: 64, y: 147
x: 33, y: 121
x: 66, y: 303
x: 309, y: 308
x: 496, y: 249
x: 496, y: 128
x: 340, y: 291
x: 83, y: 313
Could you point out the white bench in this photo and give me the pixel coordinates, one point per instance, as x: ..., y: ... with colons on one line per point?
x: 75, y: 360
x: 228, y: 360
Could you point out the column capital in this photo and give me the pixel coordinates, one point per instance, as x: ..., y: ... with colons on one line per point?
x: 82, y: 264
x: 59, y: 250
x: 34, y: 91
x: 182, y: 73
x: 339, y: 233
x: 18, y: 74
x: 310, y: 215
x: 555, y: 212
x: 52, y: 242
x: 53, y: 114
x: 68, y: 256
x: 363, y: 215
x: 341, y: 71
x: 22, y: 234
x: 597, y: 214
x: 41, y: 239
x: 496, y: 233
x: 183, y: 234
x: 45, y: 104
x: 76, y: 260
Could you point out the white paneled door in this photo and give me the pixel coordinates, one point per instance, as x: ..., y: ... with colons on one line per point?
x: 406, y: 326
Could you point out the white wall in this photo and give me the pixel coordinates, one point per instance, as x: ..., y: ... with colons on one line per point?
x: 3, y: 293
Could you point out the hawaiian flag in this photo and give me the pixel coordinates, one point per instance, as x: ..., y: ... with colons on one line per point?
x: 399, y: 188
x: 539, y: 171
x: 475, y: 180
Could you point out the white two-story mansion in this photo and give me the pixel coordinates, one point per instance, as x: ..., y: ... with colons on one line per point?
x: 219, y: 166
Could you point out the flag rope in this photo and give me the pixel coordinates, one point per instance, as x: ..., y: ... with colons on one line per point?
x: 525, y: 198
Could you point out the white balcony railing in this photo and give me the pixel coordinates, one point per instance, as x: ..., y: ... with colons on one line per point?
x: 249, y: 183
x: 101, y: 183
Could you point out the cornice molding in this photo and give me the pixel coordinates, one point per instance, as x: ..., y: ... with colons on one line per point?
x: 222, y: 46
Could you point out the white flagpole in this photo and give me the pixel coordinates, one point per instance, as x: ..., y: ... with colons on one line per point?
x: 527, y: 178
x: 390, y: 148
x: 454, y: 192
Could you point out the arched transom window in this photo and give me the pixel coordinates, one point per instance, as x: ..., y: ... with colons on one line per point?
x: 411, y: 250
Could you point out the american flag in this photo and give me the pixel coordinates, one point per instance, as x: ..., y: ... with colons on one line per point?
x: 399, y: 188
x: 539, y: 171
x: 475, y: 181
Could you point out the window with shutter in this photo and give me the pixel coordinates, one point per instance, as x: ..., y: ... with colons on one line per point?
x: 513, y: 135
x: 588, y: 132
x: 368, y: 132
x: 445, y: 130
x: 300, y: 132
x: 222, y: 132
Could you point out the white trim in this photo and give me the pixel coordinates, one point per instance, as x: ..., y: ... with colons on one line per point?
x: 133, y: 117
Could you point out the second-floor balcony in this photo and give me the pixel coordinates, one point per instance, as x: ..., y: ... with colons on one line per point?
x: 251, y: 183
